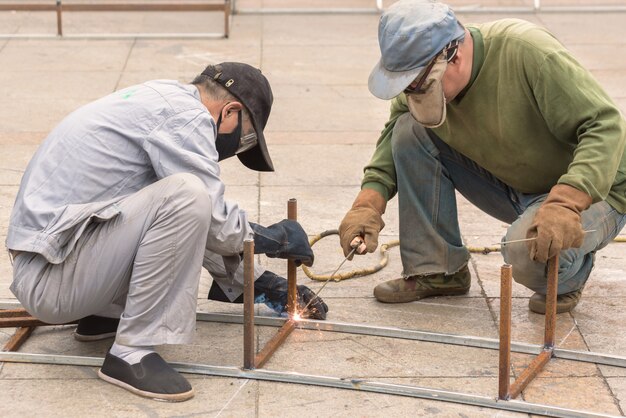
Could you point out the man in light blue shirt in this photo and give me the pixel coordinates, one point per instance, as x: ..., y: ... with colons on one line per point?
x: 121, y: 207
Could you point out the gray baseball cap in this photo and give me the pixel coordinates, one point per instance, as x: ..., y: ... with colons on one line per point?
x: 410, y: 34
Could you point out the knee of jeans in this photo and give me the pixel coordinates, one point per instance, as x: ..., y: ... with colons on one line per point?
x: 406, y: 132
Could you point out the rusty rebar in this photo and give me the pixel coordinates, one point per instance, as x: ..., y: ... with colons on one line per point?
x: 551, y: 295
x: 530, y: 372
x: 292, y: 292
x: 504, y: 367
x: 272, y: 345
x: 59, y: 11
x: 248, y: 304
x: 18, y: 338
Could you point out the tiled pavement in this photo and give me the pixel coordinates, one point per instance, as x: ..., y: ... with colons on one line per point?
x: 322, y: 131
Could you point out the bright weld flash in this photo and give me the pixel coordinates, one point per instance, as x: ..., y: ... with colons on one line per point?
x: 296, y: 316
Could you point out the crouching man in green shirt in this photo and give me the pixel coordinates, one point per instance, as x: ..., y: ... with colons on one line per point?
x: 504, y: 114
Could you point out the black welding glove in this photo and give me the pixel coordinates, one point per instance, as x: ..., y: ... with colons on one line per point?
x: 285, y: 239
x: 271, y: 289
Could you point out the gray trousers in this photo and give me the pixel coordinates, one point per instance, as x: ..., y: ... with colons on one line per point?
x: 429, y: 172
x: 142, y: 266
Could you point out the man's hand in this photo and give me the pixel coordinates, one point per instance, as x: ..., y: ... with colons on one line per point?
x: 285, y: 239
x: 557, y: 225
x: 363, y: 220
x: 271, y: 289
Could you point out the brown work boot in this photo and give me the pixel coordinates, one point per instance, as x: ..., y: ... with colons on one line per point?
x: 419, y: 287
x: 564, y: 303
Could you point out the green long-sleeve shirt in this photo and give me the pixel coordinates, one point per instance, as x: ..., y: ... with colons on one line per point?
x: 531, y: 115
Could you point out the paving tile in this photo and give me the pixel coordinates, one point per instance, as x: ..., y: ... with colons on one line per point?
x: 322, y: 401
x: 323, y: 30
x: 618, y: 386
x: 188, y: 56
x: 67, y: 84
x: 75, y: 55
x: 598, y: 28
x: 591, y: 394
x: 95, y: 398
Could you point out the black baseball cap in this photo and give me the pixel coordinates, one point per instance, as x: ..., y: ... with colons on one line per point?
x: 251, y: 87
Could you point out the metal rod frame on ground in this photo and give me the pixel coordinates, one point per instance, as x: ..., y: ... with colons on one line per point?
x: 358, y: 384
x: 250, y: 361
x: 59, y: 8
x: 506, y: 390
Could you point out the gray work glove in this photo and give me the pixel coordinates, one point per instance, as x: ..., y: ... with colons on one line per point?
x: 285, y: 239
x: 271, y: 289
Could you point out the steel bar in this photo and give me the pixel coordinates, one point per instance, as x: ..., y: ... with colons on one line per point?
x: 13, y: 313
x: 227, y: 9
x: 504, y: 365
x: 248, y: 304
x: 59, y: 11
x: 530, y: 372
x: 553, y: 282
x: 272, y: 345
x: 27, y: 321
x: 18, y: 338
x: 325, y: 381
x: 292, y: 292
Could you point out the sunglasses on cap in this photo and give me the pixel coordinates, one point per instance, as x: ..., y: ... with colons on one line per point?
x: 449, y: 52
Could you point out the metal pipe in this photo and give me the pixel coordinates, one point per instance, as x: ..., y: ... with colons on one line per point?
x: 14, y: 313
x: 248, y: 304
x: 292, y: 281
x: 551, y: 294
x: 59, y: 12
x: 272, y: 345
x: 227, y: 9
x: 325, y: 381
x: 504, y: 364
x: 530, y: 372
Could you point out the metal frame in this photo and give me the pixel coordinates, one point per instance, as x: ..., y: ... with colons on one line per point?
x: 357, y: 384
x: 59, y: 8
x: 250, y: 361
x: 507, y: 390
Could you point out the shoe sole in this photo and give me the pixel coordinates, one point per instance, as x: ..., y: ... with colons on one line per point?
x: 168, y: 397
x: 412, y: 297
x: 97, y: 337
x: 542, y: 309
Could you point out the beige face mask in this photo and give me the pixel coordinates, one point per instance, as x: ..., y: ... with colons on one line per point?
x: 429, y: 107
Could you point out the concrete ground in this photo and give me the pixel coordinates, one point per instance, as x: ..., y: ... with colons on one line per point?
x: 322, y: 131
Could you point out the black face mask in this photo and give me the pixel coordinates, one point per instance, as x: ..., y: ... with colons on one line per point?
x: 227, y: 144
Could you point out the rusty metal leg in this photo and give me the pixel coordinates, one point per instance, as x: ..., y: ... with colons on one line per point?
x: 551, y: 294
x: 248, y: 304
x: 539, y: 362
x: 227, y: 8
x: 504, y: 367
x: 273, y: 344
x: 59, y: 18
x: 292, y: 294
x: 18, y: 338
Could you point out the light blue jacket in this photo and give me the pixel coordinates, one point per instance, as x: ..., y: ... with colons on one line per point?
x: 111, y: 148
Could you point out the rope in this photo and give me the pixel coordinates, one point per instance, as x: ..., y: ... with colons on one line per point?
x: 384, y: 258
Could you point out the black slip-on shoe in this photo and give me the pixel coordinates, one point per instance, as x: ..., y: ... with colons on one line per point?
x: 95, y: 328
x: 152, y: 378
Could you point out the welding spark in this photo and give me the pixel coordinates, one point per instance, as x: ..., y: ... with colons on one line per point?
x: 296, y: 317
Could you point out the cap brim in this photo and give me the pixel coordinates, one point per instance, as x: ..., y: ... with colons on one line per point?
x: 386, y: 84
x: 258, y: 157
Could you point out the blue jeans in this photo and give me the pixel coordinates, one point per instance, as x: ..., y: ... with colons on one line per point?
x: 428, y: 173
